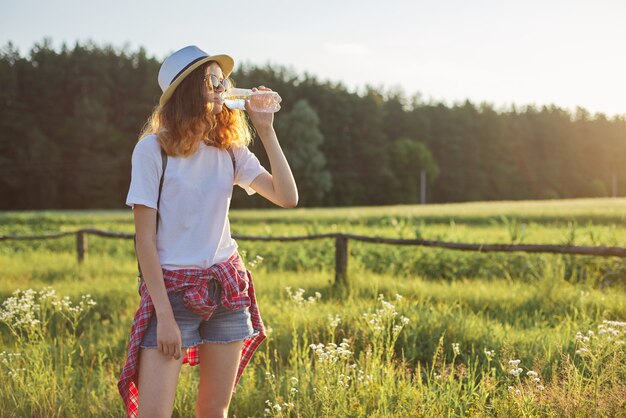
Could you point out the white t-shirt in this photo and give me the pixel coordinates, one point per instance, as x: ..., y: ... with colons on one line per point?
x: 194, y: 231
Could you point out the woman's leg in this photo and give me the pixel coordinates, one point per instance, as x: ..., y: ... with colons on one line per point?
x: 158, y: 377
x: 218, y: 370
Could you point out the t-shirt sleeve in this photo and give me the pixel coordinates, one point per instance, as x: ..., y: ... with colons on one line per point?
x: 145, y: 176
x: 247, y: 168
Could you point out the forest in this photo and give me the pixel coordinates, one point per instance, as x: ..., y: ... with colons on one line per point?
x: 70, y: 117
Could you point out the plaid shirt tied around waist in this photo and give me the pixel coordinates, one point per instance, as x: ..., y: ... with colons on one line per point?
x: 237, y: 293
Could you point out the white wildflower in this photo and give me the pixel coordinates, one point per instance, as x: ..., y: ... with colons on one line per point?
x: 388, y: 306
x: 334, y: 321
x: 456, y: 348
x: 615, y: 324
x: 298, y: 296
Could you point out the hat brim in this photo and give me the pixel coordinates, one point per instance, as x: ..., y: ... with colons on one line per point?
x: 225, y: 62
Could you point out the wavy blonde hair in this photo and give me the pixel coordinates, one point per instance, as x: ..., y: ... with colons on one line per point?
x: 185, y: 120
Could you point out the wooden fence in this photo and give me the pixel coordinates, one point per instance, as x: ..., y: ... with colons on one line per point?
x: 341, y: 245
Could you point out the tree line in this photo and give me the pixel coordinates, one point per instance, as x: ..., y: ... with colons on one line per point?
x: 69, y: 119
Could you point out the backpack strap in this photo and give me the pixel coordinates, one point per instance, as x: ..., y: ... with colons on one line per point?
x: 163, y: 167
x: 232, y: 157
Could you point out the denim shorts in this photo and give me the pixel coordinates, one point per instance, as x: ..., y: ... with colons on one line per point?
x: 224, y: 326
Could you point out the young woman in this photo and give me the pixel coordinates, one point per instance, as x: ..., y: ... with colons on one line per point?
x: 197, y: 299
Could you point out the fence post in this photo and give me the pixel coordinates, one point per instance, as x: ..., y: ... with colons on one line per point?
x: 341, y: 260
x: 81, y: 245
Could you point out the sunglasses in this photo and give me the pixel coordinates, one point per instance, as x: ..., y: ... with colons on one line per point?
x: 215, y: 82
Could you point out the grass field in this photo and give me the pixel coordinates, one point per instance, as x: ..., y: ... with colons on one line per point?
x: 419, y: 332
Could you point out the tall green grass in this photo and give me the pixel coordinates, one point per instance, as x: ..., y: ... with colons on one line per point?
x: 472, y: 320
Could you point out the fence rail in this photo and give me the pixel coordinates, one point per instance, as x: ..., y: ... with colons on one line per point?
x: 341, y: 245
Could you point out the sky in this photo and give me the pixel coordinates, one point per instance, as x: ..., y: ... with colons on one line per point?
x: 564, y: 52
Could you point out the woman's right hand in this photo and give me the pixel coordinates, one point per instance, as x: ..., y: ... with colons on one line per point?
x: 169, y: 340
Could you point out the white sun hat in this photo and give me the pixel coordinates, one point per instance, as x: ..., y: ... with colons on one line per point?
x: 182, y: 62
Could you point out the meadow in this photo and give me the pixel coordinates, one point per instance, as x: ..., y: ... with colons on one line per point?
x: 418, y: 331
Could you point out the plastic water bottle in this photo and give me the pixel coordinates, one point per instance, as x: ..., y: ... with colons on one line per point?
x: 260, y: 100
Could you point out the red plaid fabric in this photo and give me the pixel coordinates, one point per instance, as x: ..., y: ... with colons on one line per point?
x: 238, y: 292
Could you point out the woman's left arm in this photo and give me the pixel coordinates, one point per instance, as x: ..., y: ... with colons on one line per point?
x: 280, y: 186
